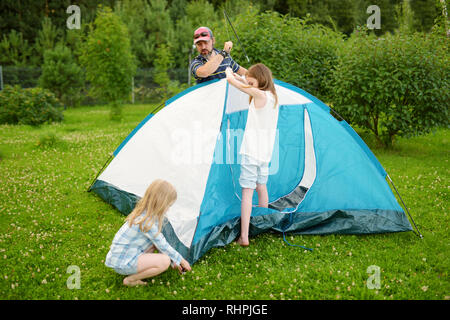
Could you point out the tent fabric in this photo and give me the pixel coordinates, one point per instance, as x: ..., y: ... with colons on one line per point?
x: 323, y: 178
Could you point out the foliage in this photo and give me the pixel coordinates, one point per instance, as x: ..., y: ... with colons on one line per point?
x: 162, y: 62
x: 49, y: 139
x: 295, y: 51
x: 393, y: 86
x: 207, y: 17
x: 108, y: 60
x: 61, y: 75
x: 425, y: 13
x: 33, y: 106
x: 14, y: 49
x: 47, y: 38
x: 149, y: 25
x: 405, y: 18
x: 441, y: 25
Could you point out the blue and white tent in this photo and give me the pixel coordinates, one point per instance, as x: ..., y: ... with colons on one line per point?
x: 323, y: 178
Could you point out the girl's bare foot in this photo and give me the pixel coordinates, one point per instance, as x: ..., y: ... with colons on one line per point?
x: 130, y: 283
x: 242, y: 242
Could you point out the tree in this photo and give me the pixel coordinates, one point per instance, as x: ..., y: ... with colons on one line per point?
x: 61, y: 75
x: 149, y: 25
x: 163, y: 62
x: 425, y: 12
x: 207, y: 17
x: 108, y: 60
x: 14, y: 49
x: 47, y: 38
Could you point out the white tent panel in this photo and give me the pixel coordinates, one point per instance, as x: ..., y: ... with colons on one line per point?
x: 179, y: 150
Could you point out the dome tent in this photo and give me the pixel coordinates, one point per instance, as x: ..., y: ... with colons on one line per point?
x: 323, y: 178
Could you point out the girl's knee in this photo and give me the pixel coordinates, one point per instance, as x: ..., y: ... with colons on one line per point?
x: 165, y: 262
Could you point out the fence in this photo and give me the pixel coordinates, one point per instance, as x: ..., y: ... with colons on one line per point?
x: 145, y: 89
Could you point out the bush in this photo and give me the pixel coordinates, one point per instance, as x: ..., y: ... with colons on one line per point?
x: 33, y: 106
x: 393, y: 86
x: 62, y: 76
x: 49, y: 140
x: 297, y: 52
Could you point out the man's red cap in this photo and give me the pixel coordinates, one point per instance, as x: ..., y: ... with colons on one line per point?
x: 203, y: 38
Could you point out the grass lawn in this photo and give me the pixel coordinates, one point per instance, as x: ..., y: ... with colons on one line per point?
x: 49, y: 223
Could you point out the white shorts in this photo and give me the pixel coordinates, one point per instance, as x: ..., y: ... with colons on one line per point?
x: 253, y: 172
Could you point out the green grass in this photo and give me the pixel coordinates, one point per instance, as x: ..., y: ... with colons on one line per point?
x: 49, y: 222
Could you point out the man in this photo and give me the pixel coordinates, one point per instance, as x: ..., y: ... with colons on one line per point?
x: 211, y: 63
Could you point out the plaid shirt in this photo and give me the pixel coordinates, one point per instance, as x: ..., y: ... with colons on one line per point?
x: 219, y: 73
x: 130, y: 242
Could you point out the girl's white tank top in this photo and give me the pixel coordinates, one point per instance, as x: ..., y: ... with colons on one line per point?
x: 260, y: 130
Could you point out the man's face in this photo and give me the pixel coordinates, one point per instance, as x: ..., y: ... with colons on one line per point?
x: 205, y: 48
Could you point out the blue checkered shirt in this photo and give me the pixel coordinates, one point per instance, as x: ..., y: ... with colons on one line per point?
x: 130, y: 242
x: 219, y: 73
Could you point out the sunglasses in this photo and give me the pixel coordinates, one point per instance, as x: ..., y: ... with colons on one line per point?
x: 201, y: 34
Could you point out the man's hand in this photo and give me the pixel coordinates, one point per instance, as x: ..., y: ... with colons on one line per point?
x: 227, y: 46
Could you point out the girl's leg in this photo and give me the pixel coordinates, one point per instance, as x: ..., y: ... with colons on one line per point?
x: 149, y: 265
x: 246, y: 211
x: 263, y: 197
x: 151, y: 249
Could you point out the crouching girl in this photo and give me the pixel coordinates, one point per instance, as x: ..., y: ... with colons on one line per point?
x: 131, y: 252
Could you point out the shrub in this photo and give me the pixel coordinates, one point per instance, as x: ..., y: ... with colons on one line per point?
x: 62, y: 76
x: 49, y: 140
x: 297, y: 52
x: 393, y: 86
x: 33, y: 106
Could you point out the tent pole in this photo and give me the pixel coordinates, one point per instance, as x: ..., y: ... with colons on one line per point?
x: 106, y: 163
x: 404, y: 205
x: 243, y: 48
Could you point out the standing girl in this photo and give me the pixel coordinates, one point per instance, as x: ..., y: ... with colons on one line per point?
x: 131, y: 252
x: 259, y: 138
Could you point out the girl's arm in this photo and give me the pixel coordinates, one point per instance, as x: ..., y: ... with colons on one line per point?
x: 241, y: 79
x: 163, y: 246
x: 254, y: 92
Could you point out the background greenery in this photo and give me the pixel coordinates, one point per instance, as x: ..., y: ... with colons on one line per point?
x: 50, y: 222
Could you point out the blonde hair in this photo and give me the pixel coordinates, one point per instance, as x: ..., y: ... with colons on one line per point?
x: 263, y: 74
x: 160, y: 195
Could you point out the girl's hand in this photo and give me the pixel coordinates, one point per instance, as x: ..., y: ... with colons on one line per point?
x: 241, y: 79
x: 229, y: 73
x: 184, y: 266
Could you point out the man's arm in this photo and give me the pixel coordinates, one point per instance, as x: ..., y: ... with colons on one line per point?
x: 241, y: 71
x: 214, y: 62
x: 209, y: 67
